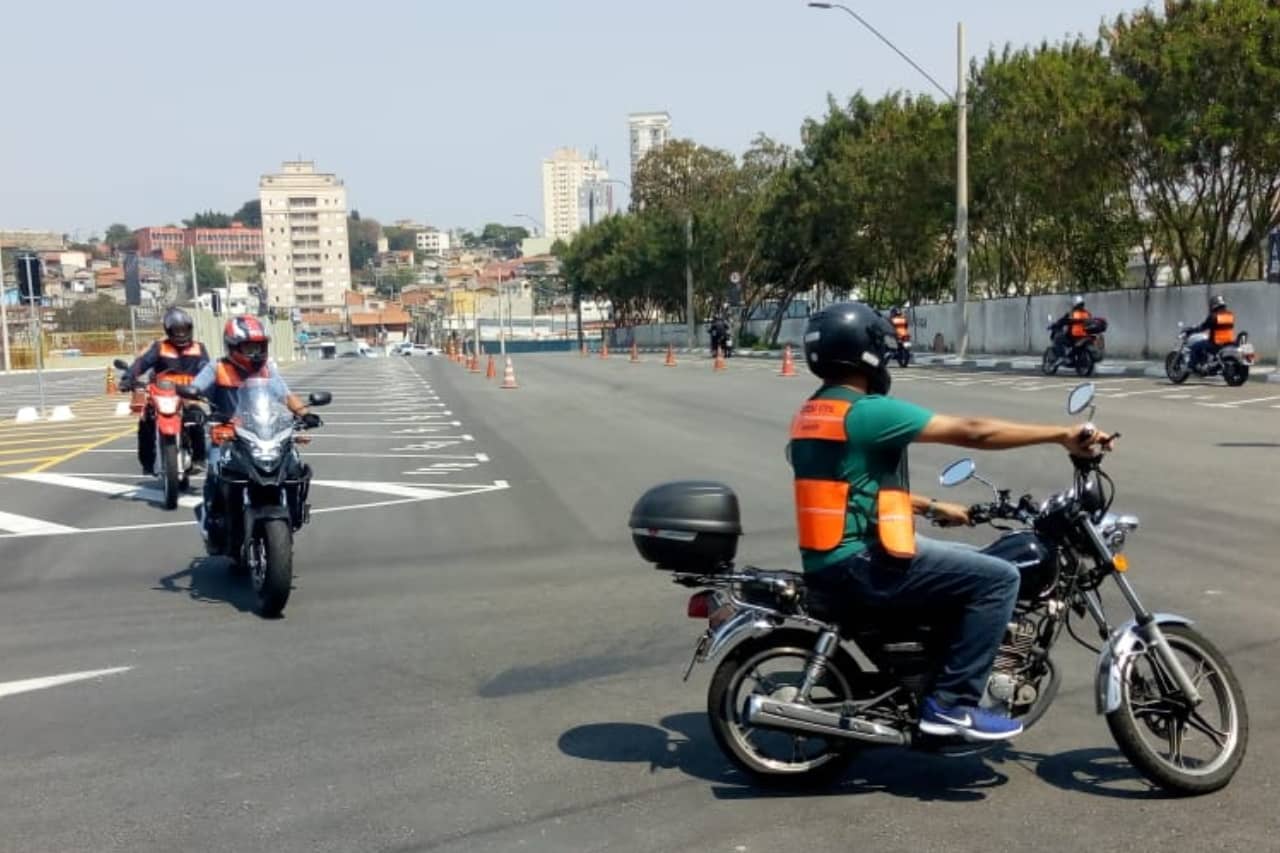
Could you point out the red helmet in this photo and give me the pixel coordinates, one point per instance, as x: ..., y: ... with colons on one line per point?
x: 246, y: 339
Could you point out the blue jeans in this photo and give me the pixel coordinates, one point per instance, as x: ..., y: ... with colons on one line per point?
x: 942, y: 575
x: 1200, y: 351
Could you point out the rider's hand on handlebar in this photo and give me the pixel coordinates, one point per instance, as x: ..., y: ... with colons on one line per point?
x: 1080, y: 441
x: 950, y: 515
x: 311, y: 420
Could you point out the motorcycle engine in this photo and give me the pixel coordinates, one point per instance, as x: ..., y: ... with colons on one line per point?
x: 1008, y: 687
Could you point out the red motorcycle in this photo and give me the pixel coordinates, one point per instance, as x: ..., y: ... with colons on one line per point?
x: 174, y: 423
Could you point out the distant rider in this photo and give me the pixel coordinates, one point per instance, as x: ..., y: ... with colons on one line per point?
x: 1070, y: 327
x: 1221, y: 326
x: 899, y: 321
x: 178, y: 358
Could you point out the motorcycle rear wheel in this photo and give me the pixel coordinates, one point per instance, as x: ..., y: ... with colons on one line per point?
x: 1235, y: 373
x: 1150, y: 707
x: 904, y: 357
x: 169, y: 471
x: 271, y: 569
x: 1085, y: 364
x: 772, y: 757
x: 1175, y: 367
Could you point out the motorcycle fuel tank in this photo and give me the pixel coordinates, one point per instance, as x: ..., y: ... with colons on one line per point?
x: 1036, y: 561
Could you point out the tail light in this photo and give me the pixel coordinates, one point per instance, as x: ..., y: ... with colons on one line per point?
x: 700, y: 605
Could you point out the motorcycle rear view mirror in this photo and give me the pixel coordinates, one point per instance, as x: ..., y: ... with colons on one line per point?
x: 957, y: 472
x: 120, y: 364
x: 319, y: 398
x: 1080, y: 398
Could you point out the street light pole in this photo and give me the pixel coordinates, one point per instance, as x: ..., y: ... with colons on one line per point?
x: 959, y: 98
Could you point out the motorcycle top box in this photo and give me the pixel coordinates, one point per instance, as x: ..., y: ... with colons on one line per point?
x: 687, y: 526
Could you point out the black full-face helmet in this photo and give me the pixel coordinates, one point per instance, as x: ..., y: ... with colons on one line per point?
x: 178, y: 327
x: 849, y: 337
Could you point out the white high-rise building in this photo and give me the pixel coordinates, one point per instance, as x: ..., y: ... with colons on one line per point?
x: 565, y: 175
x: 432, y: 241
x: 304, y: 237
x: 648, y: 131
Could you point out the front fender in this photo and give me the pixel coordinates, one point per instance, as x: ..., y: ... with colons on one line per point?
x: 1124, y: 644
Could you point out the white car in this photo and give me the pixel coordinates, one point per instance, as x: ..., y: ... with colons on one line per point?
x: 418, y: 349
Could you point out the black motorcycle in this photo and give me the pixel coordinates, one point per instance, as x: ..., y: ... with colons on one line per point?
x: 1081, y: 355
x: 722, y: 343
x: 263, y: 486
x: 1231, y: 362
x: 790, y: 703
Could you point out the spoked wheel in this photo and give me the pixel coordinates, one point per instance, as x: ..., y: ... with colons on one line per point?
x: 1049, y: 363
x: 1184, y: 750
x: 1175, y: 367
x: 771, y: 756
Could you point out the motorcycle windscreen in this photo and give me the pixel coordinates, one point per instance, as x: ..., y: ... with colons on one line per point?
x: 261, y: 413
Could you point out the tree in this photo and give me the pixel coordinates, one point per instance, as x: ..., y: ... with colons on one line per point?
x: 249, y: 214
x: 208, y: 219
x: 399, y: 239
x: 1202, y: 81
x: 362, y: 239
x: 119, y: 236
x: 85, y: 316
x: 209, y: 273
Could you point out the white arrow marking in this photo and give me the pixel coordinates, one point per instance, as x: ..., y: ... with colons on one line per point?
x: 9, y: 688
x: 104, y: 487
x: 438, y: 468
x: 11, y: 523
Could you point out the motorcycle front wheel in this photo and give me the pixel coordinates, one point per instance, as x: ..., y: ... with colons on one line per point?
x: 1049, y: 364
x: 1175, y: 367
x: 774, y: 666
x: 271, y: 566
x: 1183, y: 750
x: 1085, y: 363
x: 169, y: 472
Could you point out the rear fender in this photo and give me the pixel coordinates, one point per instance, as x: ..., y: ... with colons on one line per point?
x: 1125, y: 643
x: 747, y: 624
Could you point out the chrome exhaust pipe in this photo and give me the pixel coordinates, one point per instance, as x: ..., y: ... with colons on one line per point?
x: 789, y: 716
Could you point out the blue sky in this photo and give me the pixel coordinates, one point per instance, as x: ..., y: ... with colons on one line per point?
x: 437, y: 110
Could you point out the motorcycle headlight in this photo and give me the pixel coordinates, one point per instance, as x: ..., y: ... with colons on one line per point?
x: 167, y: 405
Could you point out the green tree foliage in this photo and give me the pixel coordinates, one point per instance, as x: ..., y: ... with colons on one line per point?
x: 249, y: 214
x: 119, y: 236
x: 399, y: 239
x: 208, y: 219
x: 362, y: 239
x: 209, y: 272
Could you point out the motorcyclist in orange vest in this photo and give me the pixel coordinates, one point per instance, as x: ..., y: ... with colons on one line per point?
x: 1070, y: 327
x: 1221, y: 326
x: 247, y: 342
x: 899, y: 321
x: 177, y: 357
x: 854, y: 508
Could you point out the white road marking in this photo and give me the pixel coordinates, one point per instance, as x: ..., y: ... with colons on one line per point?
x: 1176, y: 397
x: 1234, y: 403
x: 440, y: 469
x: 26, y: 685
x: 104, y: 487
x: 11, y: 523
x: 1124, y: 394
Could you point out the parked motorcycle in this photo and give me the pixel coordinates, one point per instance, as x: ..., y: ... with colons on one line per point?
x: 263, y: 489
x: 790, y: 703
x: 1082, y: 354
x: 1230, y: 362
x: 174, y: 424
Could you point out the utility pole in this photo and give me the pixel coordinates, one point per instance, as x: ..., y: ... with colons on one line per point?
x: 195, y: 285
x: 688, y: 279
x: 4, y: 318
x: 962, y: 191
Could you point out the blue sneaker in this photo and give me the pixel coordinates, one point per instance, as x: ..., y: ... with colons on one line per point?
x: 967, y: 721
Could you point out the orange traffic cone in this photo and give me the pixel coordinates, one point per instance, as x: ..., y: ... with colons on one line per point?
x: 604, y: 349
x: 474, y: 366
x: 509, y: 377
x: 788, y: 363
x: 635, y: 353
x: 719, y: 362
x: 671, y: 357
x: 492, y: 371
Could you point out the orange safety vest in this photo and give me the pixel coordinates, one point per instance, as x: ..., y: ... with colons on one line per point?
x: 1078, y: 319
x: 1224, y: 328
x: 821, y: 505
x: 227, y: 375
x: 183, y: 356
x: 900, y: 327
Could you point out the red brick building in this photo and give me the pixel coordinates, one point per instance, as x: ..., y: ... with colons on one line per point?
x: 157, y: 242
x: 237, y: 244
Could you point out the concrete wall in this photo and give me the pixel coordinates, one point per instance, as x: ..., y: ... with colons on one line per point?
x: 1141, y: 323
x: 661, y: 334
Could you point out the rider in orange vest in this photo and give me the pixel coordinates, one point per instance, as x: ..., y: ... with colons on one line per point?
x: 899, y: 321
x: 855, y: 508
x: 1070, y: 326
x: 247, y: 341
x: 1221, y: 326
x: 178, y: 358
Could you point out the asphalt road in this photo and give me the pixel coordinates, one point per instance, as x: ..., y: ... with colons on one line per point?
x: 482, y: 662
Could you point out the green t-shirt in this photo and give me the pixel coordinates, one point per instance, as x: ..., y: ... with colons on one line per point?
x: 878, y: 429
